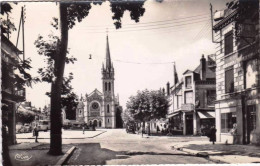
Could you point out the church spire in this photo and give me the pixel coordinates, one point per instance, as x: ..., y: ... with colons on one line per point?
x: 108, y: 59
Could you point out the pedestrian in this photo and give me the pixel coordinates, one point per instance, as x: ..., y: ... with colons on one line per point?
x: 36, y: 133
x: 212, y: 135
x: 142, y: 130
x: 83, y: 128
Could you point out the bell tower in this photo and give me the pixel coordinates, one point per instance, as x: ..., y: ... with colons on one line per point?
x: 108, y: 90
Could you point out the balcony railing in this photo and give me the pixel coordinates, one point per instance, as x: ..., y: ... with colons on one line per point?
x: 205, y: 82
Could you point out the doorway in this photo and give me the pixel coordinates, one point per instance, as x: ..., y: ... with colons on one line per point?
x: 251, y: 121
x: 189, y: 124
x: 95, y: 123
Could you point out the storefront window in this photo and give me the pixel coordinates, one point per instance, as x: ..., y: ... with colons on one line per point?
x: 227, y: 121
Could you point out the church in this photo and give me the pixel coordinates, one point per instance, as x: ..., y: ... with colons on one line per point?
x: 101, y: 109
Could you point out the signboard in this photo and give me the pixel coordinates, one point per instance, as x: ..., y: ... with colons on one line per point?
x: 187, y: 107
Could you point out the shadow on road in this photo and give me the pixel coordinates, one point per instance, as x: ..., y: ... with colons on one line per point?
x: 243, y: 150
x: 93, y: 154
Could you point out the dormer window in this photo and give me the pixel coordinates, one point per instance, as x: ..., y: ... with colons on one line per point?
x: 188, y: 81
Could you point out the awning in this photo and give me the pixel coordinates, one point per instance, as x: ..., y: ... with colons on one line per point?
x: 173, y: 114
x: 206, y: 114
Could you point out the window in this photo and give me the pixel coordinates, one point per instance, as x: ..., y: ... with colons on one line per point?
x: 227, y: 121
x: 108, y: 108
x: 105, y: 86
x: 109, y: 86
x: 178, y: 101
x: 251, y: 73
x: 229, y: 42
x: 229, y: 80
x: 211, y: 97
x: 107, y: 120
x: 188, y: 97
x: 188, y: 81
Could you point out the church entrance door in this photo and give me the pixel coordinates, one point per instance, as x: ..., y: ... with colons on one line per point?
x: 95, y: 123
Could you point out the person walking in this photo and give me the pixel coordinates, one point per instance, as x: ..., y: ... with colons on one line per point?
x: 212, y: 135
x: 36, y: 133
x: 83, y: 128
x: 142, y: 130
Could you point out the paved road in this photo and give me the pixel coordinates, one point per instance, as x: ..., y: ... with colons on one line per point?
x: 115, y: 146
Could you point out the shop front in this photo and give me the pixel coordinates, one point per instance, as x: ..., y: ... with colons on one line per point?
x: 206, y: 121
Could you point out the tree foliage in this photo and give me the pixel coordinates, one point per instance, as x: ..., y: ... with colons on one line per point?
x: 7, y: 26
x: 48, y: 48
x: 148, y: 105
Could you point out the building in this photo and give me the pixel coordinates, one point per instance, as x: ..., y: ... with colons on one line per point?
x: 11, y: 95
x: 192, y: 98
x: 237, y: 106
x: 100, y: 109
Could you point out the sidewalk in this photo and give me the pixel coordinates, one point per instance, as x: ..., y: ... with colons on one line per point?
x: 34, y: 154
x: 66, y: 134
x: 221, y: 152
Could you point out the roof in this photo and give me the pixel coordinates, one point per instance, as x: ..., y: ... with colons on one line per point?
x: 95, y: 92
x: 187, y: 71
x: 227, y: 14
x: 81, y: 105
x: 209, y: 72
x: 9, y: 43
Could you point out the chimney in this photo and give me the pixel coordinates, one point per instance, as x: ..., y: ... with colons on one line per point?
x: 163, y: 90
x: 168, y: 88
x: 203, y: 68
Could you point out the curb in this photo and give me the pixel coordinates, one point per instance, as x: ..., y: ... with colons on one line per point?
x: 202, y: 154
x: 66, y: 156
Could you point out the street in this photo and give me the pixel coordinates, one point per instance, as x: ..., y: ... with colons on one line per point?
x: 115, y: 146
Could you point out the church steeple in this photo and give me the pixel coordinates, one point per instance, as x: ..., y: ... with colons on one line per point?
x: 108, y: 58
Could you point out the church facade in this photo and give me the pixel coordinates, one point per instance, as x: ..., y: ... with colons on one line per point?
x: 99, y: 108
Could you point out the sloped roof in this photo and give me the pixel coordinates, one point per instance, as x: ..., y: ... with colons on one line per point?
x: 95, y: 92
x: 209, y: 72
x: 187, y: 71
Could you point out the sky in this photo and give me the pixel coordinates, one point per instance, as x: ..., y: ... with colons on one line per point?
x: 142, y: 53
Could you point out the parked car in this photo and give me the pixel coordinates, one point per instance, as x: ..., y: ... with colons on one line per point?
x: 18, y: 127
x: 44, y: 125
x: 130, y: 127
x: 27, y: 128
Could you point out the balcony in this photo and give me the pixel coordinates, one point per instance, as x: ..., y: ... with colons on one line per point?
x: 205, y: 82
x: 12, y: 95
x: 187, y: 107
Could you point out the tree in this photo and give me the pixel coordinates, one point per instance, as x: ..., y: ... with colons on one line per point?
x: 69, y: 100
x: 148, y: 105
x: 68, y: 13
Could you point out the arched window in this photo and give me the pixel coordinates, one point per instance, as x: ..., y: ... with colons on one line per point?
x: 107, y: 120
x: 109, y: 86
x: 105, y: 86
x: 108, y: 108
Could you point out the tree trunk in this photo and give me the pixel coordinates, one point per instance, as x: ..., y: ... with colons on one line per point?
x: 59, y: 66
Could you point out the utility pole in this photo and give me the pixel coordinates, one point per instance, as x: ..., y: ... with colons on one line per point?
x: 22, y: 20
